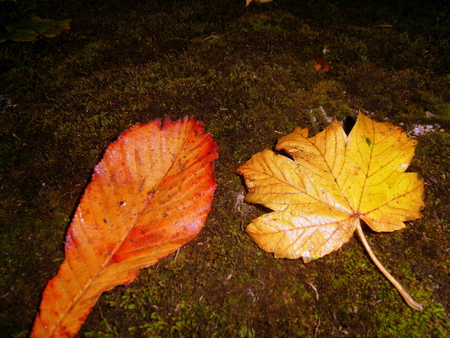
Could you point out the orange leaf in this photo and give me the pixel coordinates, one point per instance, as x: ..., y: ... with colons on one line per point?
x: 150, y: 194
x: 321, y: 63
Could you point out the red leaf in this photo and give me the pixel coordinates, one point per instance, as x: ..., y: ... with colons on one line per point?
x: 150, y: 194
x: 321, y: 63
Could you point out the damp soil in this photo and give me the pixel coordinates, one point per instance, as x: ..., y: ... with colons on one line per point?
x: 249, y: 73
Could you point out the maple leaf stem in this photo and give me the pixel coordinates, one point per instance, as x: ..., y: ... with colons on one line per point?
x: 409, y: 300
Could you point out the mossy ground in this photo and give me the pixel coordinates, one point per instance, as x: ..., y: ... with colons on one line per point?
x: 249, y: 74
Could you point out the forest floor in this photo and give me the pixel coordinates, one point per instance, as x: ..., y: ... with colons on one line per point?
x: 249, y: 74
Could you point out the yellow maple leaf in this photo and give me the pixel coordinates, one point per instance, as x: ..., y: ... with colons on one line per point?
x: 331, y: 183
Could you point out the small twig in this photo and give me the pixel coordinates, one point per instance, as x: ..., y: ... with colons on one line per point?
x: 213, y: 36
x: 5, y: 295
x: 405, y: 295
x: 316, y: 329
x: 176, y: 255
x: 317, y: 293
x: 101, y: 314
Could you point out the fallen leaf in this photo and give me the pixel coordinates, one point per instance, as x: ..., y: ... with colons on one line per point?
x: 150, y: 194
x: 331, y: 183
x: 32, y: 27
x: 321, y: 63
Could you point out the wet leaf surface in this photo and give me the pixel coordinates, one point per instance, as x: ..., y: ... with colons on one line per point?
x: 149, y: 195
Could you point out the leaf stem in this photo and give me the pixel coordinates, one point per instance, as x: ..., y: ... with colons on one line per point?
x: 409, y: 300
